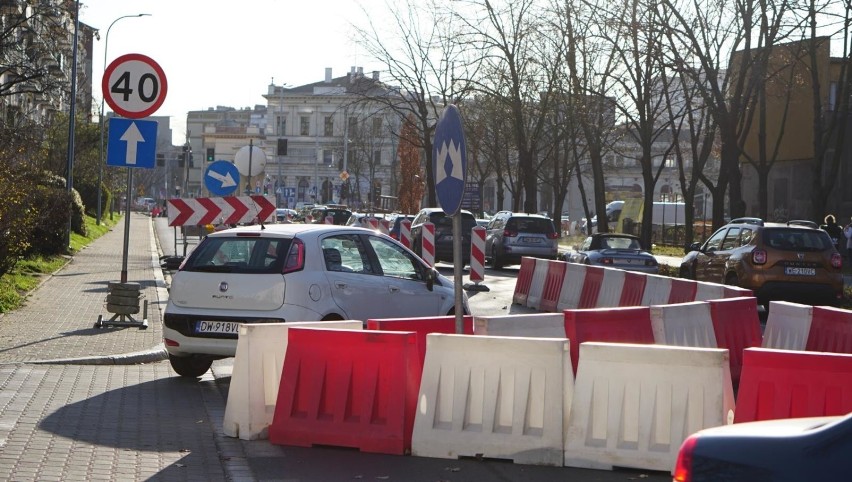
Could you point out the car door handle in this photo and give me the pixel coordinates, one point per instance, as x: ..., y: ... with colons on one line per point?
x: 340, y: 285
x: 393, y: 289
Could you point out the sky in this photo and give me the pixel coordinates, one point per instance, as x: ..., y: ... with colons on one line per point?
x: 226, y: 53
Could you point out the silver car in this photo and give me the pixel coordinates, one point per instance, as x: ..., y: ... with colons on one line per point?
x: 613, y: 250
x: 510, y: 236
x: 292, y: 272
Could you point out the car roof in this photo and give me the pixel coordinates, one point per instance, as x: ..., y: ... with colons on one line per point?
x: 288, y: 230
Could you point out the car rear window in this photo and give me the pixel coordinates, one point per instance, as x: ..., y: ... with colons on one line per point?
x: 261, y: 255
x: 787, y: 239
x: 530, y: 225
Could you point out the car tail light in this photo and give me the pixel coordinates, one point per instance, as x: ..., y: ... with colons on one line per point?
x: 552, y: 235
x: 169, y: 342
x: 295, y: 257
x: 836, y: 260
x: 606, y: 260
x: 509, y: 234
x: 758, y: 256
x: 683, y: 467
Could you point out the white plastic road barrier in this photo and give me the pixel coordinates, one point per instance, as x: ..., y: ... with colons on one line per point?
x: 572, y: 287
x: 787, y: 326
x: 709, y: 291
x: 537, y: 284
x: 657, y: 290
x: 257, y: 373
x: 684, y: 324
x: 473, y: 403
x: 538, y: 325
x: 634, y: 405
x: 427, y: 247
x: 613, y: 284
x: 405, y: 232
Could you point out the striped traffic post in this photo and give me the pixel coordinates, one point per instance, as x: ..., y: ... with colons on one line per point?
x: 427, y: 246
x: 373, y: 223
x: 405, y: 233
x: 477, y: 260
x: 384, y: 226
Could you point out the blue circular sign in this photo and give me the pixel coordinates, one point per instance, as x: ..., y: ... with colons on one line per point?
x: 449, y: 160
x: 222, y: 178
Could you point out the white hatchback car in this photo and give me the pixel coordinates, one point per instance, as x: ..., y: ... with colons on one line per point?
x: 292, y: 272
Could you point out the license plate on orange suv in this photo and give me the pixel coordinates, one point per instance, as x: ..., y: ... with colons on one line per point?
x: 796, y: 271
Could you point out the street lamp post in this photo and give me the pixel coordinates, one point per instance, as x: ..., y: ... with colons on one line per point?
x: 101, y: 117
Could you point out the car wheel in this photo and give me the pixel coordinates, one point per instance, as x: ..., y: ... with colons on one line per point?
x: 190, y: 366
x: 732, y: 279
x: 496, y: 262
x: 687, y: 272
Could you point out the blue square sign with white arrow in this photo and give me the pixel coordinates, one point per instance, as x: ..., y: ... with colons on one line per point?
x: 132, y: 143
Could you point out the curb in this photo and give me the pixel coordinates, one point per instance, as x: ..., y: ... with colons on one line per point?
x: 136, y: 358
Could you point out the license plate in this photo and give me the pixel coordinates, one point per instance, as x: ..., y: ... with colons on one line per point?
x: 794, y: 271
x: 448, y: 237
x: 531, y: 240
x: 226, y: 327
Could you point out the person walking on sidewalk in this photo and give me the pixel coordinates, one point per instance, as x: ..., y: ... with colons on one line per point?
x: 847, y: 233
x: 835, y: 232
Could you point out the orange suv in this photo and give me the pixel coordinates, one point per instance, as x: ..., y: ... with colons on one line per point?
x: 777, y: 261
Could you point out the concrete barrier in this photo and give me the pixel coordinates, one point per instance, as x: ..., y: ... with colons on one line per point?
x: 634, y: 405
x: 473, y: 403
x: 657, y: 290
x: 257, y: 373
x: 539, y: 325
x: 787, y: 326
x: 683, y: 324
x: 779, y: 384
x: 537, y: 283
x: 572, y: 286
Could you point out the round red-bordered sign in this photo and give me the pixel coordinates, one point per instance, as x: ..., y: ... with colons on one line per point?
x: 134, y: 85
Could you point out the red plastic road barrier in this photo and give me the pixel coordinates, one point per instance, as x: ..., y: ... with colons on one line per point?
x: 477, y: 254
x: 737, y: 327
x: 777, y: 384
x: 553, y: 280
x: 427, y: 247
x: 591, y: 288
x: 831, y: 330
x: 617, y: 325
x: 422, y: 326
x: 523, y: 281
x: 348, y: 388
x: 737, y: 292
x: 405, y: 232
x: 683, y: 291
x: 634, y: 288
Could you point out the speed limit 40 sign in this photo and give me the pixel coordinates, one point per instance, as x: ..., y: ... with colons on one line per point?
x: 134, y: 86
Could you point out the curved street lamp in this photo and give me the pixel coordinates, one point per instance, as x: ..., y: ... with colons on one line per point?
x: 101, y: 117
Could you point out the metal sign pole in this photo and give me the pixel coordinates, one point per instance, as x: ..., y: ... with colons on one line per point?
x: 457, y: 271
x: 126, y: 225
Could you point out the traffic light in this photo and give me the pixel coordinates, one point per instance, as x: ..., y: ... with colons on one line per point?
x: 191, y: 163
x: 211, y: 154
x: 282, y: 147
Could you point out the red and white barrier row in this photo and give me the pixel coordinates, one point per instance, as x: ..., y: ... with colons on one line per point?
x: 549, y: 285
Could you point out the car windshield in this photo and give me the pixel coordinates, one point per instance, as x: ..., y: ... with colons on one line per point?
x: 239, y: 255
x: 796, y: 239
x: 530, y: 225
x: 620, y: 243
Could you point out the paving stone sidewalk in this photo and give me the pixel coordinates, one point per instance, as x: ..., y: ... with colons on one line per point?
x: 57, y: 320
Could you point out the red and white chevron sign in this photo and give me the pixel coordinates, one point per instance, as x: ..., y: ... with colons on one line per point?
x: 200, y: 211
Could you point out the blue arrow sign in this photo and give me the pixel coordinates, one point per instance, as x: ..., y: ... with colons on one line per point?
x: 449, y: 160
x: 132, y: 143
x: 222, y: 178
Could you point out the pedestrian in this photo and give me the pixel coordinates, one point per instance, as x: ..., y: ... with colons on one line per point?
x: 847, y: 232
x: 834, y: 231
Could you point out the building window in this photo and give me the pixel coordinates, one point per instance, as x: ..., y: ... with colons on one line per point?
x: 281, y: 122
x: 304, y: 125
x: 328, y: 157
x: 329, y: 126
x: 377, y: 126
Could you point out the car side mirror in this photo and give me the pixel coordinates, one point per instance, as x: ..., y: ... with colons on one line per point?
x: 431, y: 276
x: 691, y: 247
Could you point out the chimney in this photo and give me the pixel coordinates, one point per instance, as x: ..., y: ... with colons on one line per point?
x: 328, y: 75
x: 360, y: 71
x: 375, y: 75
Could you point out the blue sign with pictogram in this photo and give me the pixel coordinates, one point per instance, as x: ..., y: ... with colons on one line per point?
x: 449, y: 162
x: 222, y: 178
x: 132, y: 143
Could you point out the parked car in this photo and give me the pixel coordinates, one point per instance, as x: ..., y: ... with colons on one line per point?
x: 510, y: 236
x: 396, y: 224
x: 292, y: 272
x: 443, y: 233
x: 281, y: 214
x: 339, y: 214
x: 615, y: 250
x: 793, y: 449
x: 360, y: 220
x: 777, y: 261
